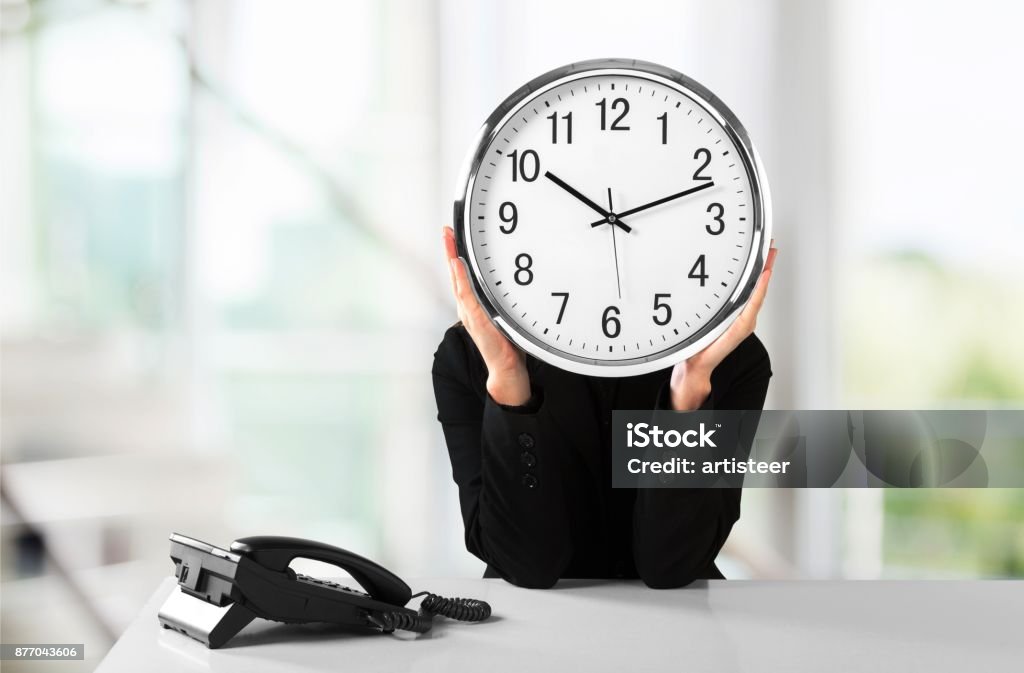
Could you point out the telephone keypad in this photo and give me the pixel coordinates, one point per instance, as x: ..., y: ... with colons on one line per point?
x: 328, y: 584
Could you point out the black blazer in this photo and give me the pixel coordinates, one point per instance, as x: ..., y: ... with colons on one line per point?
x: 535, y: 481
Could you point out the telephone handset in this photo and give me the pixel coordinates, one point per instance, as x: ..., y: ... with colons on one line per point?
x: 220, y: 591
x: 275, y: 553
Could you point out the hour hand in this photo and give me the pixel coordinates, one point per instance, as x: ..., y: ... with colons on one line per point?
x: 608, y: 217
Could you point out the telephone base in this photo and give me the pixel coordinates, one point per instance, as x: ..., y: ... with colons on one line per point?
x: 211, y: 625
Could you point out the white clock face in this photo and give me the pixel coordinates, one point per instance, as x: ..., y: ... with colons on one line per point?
x: 612, y: 221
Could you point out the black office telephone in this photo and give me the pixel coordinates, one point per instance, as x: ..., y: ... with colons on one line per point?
x: 220, y: 591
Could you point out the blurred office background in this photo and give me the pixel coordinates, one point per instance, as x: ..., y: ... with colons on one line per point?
x: 222, y: 281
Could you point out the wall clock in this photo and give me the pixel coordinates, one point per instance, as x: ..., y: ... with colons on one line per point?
x: 615, y: 217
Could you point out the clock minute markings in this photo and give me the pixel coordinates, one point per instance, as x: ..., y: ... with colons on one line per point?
x: 599, y: 347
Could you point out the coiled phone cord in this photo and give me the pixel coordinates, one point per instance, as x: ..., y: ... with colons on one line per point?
x: 461, y: 609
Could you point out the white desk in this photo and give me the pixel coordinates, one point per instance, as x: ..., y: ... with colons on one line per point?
x: 584, y: 626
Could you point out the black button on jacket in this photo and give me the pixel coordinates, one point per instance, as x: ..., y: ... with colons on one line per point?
x: 551, y: 513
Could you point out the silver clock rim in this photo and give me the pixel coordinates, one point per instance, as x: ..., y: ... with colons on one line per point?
x: 718, y: 323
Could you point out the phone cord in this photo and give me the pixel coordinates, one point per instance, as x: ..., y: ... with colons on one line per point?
x: 462, y: 609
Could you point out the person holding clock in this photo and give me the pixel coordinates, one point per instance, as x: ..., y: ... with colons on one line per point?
x: 612, y: 249
x: 502, y: 411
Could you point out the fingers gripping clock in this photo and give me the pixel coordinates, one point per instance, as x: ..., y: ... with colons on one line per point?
x: 615, y: 217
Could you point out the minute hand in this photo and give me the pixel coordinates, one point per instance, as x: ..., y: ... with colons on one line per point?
x: 671, y: 197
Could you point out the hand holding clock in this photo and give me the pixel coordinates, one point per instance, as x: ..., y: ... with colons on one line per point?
x: 508, y: 381
x: 691, y: 378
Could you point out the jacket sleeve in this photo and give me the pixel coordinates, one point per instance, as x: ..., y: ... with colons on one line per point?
x: 678, y: 532
x: 505, y: 464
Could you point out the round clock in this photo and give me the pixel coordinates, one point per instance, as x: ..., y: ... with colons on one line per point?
x: 615, y: 217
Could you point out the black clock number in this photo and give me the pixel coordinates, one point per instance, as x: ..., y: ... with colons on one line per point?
x: 525, y: 165
x: 658, y: 305
x: 554, y: 127
x: 610, y: 319
x: 698, y: 271
x: 718, y: 218
x: 523, y: 264
x: 702, y: 152
x: 664, y: 128
x: 510, y: 214
x: 561, y: 310
x: 618, y: 102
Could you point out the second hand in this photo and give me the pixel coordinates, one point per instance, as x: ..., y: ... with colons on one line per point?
x: 615, y: 248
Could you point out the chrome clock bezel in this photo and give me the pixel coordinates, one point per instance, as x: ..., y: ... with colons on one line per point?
x: 761, y: 202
